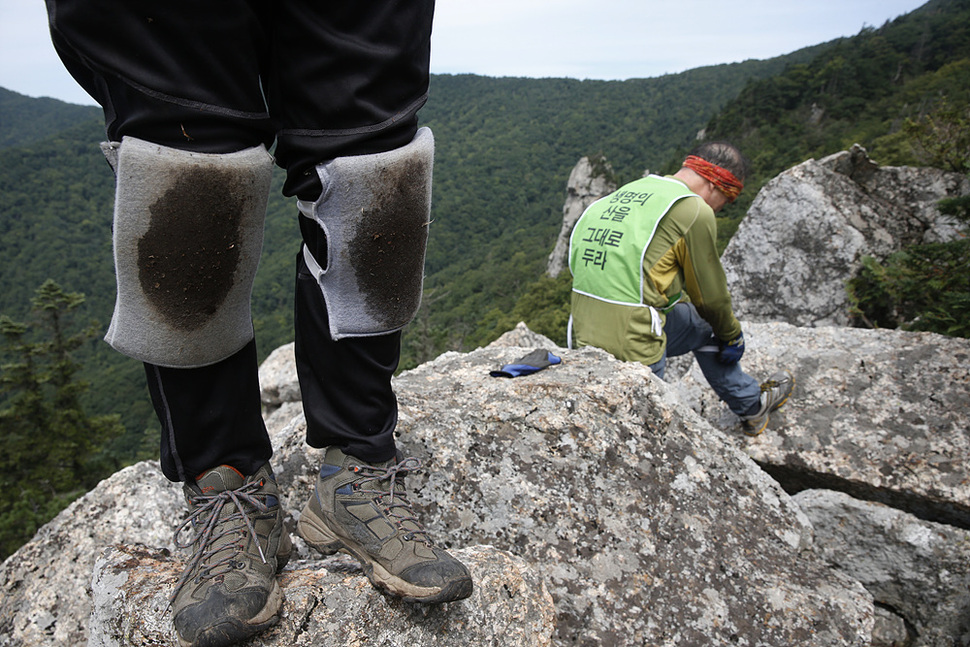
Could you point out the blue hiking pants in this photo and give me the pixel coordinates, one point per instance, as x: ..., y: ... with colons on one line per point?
x: 688, y: 332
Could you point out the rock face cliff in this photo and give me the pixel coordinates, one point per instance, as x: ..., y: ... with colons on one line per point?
x: 808, y: 229
x: 590, y: 180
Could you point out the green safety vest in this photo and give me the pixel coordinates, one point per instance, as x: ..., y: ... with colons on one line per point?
x: 609, y: 241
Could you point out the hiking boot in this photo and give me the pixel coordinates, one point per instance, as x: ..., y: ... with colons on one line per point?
x: 775, y: 392
x: 228, y: 591
x: 363, y: 510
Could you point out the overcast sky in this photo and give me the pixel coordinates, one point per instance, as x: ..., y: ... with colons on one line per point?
x: 583, y: 39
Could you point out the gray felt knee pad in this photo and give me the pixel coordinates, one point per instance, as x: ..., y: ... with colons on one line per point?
x: 188, y: 231
x: 374, y: 211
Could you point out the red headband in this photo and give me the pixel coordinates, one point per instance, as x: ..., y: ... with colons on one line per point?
x: 722, y: 178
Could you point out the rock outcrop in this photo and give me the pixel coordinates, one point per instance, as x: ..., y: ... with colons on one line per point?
x: 881, y: 414
x: 808, y: 229
x: 598, y: 505
x: 101, y: 572
x: 640, y: 520
x: 644, y: 517
x: 916, y: 570
x: 45, y: 587
x: 328, y: 602
x: 601, y: 496
x: 590, y: 180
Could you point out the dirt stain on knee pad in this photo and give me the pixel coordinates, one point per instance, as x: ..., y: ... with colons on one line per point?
x: 388, y: 246
x: 188, y: 257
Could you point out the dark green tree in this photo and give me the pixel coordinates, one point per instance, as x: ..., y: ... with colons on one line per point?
x: 50, y: 449
x: 925, y: 287
x: 941, y: 136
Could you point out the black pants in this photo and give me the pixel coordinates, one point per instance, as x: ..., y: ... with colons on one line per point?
x: 321, y: 80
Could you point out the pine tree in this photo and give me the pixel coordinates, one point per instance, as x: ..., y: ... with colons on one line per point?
x: 50, y: 449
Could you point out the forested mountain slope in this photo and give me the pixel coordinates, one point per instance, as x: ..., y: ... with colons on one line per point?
x: 24, y: 120
x: 861, y: 90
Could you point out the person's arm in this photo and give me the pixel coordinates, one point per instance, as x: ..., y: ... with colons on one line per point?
x: 704, y: 279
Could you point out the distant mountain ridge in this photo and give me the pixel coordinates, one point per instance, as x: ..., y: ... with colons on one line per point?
x: 25, y: 120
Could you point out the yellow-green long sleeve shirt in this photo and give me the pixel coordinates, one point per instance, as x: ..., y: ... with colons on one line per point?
x: 681, y: 258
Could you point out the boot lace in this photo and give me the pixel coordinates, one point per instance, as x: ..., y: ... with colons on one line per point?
x: 768, y: 385
x: 392, y: 497
x: 210, y: 528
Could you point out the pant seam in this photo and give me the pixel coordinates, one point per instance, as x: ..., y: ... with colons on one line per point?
x: 342, y: 132
x: 169, y: 425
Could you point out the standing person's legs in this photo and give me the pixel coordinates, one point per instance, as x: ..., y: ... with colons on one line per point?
x: 179, y: 84
x: 175, y: 283
x: 688, y: 332
x: 346, y: 98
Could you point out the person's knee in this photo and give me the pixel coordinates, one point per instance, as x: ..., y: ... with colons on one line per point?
x: 188, y: 231
x: 374, y: 213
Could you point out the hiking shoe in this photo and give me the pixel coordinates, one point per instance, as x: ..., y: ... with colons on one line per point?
x: 363, y: 510
x: 775, y: 392
x: 228, y: 591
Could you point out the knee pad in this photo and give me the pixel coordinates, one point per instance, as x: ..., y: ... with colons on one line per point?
x: 188, y: 232
x: 374, y: 211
